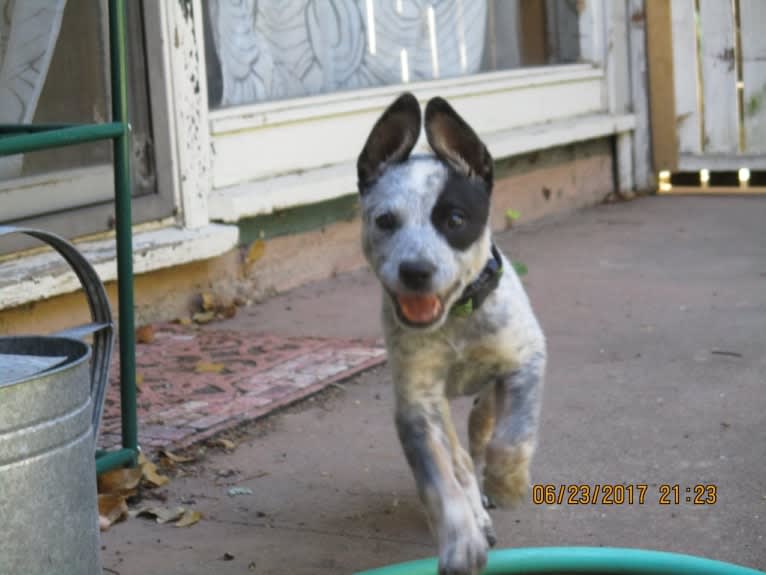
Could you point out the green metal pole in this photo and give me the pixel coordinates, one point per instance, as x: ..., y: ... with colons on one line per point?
x: 26, y: 128
x: 123, y: 219
x: 39, y: 139
x: 113, y: 459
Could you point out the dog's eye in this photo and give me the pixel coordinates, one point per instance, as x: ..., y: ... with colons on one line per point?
x: 455, y: 219
x: 386, y: 222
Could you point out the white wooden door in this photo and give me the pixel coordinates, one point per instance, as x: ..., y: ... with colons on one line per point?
x: 719, y: 68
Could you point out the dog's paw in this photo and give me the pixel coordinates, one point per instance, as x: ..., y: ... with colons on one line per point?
x: 506, y: 476
x: 464, y: 543
x: 485, y: 525
x: 465, y: 555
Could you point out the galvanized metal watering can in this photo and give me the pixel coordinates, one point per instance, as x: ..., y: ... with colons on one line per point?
x: 51, y: 399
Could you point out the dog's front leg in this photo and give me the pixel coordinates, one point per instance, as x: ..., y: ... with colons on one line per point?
x: 423, y: 428
x: 517, y: 410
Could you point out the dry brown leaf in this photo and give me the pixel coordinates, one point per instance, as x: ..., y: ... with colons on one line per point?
x: 111, y: 509
x: 207, y: 301
x: 204, y: 317
x: 169, y: 455
x: 154, y: 477
x: 150, y: 473
x: 162, y: 514
x: 190, y: 517
x: 227, y: 444
x: 119, y: 481
x: 183, y: 321
x: 209, y: 367
x: 145, y: 334
x: 255, y: 252
x: 228, y: 311
x: 139, y: 380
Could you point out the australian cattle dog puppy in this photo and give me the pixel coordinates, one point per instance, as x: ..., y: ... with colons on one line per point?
x: 457, y: 322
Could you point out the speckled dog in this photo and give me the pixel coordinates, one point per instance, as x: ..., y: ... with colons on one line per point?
x: 456, y: 321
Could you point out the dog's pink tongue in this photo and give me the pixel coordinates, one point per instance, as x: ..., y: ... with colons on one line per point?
x: 420, y: 308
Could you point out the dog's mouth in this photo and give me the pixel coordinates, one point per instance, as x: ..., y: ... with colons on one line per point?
x: 419, y: 310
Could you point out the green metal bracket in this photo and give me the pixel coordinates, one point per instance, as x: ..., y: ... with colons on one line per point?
x: 19, y: 139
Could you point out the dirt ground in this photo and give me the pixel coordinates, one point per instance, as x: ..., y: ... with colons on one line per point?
x: 655, y: 314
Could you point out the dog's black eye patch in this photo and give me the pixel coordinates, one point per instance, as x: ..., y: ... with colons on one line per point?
x: 387, y: 221
x: 461, y: 211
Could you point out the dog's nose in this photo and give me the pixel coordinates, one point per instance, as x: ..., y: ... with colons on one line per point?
x: 416, y: 275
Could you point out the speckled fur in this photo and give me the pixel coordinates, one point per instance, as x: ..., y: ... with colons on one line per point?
x: 497, y: 353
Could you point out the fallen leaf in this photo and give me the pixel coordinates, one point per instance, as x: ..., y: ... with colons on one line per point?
x: 111, y: 509
x: 139, y: 380
x: 209, y: 367
x: 154, y: 477
x: 236, y: 490
x: 207, y: 301
x: 162, y: 514
x: 227, y: 444
x: 119, y: 481
x: 255, y: 251
x: 189, y: 518
x: 167, y: 454
x: 183, y: 321
x: 203, y: 317
x: 145, y: 334
x: 251, y: 566
x: 228, y: 311
x: 512, y: 215
x: 150, y: 473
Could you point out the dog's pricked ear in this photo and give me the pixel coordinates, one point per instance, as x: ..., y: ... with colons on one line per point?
x: 391, y: 140
x: 455, y: 142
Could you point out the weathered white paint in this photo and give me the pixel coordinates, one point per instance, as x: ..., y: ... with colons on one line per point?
x: 721, y: 162
x: 183, y: 56
x: 642, y: 163
x: 46, y: 274
x: 719, y: 78
x: 62, y: 190
x: 164, y: 112
x: 624, y: 151
x: 266, y: 196
x: 273, y: 140
x: 617, y: 70
x: 592, y: 31
x: 514, y: 141
x: 617, y: 64
x: 685, y: 77
x: 752, y: 23
x: 263, y: 197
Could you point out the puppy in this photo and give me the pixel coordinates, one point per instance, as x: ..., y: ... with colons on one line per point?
x: 456, y: 320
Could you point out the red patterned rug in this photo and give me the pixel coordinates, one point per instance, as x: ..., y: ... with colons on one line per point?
x: 193, y: 383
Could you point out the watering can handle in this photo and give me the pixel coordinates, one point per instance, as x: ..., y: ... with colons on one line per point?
x: 102, y: 326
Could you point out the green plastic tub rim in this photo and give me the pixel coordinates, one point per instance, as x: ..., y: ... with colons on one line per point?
x: 591, y: 560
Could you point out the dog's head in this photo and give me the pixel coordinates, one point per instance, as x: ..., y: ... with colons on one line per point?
x: 425, y: 218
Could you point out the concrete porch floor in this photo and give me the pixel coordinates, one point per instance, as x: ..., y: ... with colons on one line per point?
x: 655, y: 313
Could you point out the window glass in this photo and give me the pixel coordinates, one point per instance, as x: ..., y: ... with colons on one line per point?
x: 280, y: 49
x: 52, y: 70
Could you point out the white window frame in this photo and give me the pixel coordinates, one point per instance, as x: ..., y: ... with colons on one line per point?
x: 275, y: 155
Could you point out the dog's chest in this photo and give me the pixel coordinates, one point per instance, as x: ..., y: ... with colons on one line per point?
x: 474, y: 365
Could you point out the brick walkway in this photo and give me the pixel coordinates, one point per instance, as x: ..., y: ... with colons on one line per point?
x: 193, y: 383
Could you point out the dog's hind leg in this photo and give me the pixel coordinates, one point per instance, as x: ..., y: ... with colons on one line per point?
x: 424, y: 431
x: 517, y: 410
